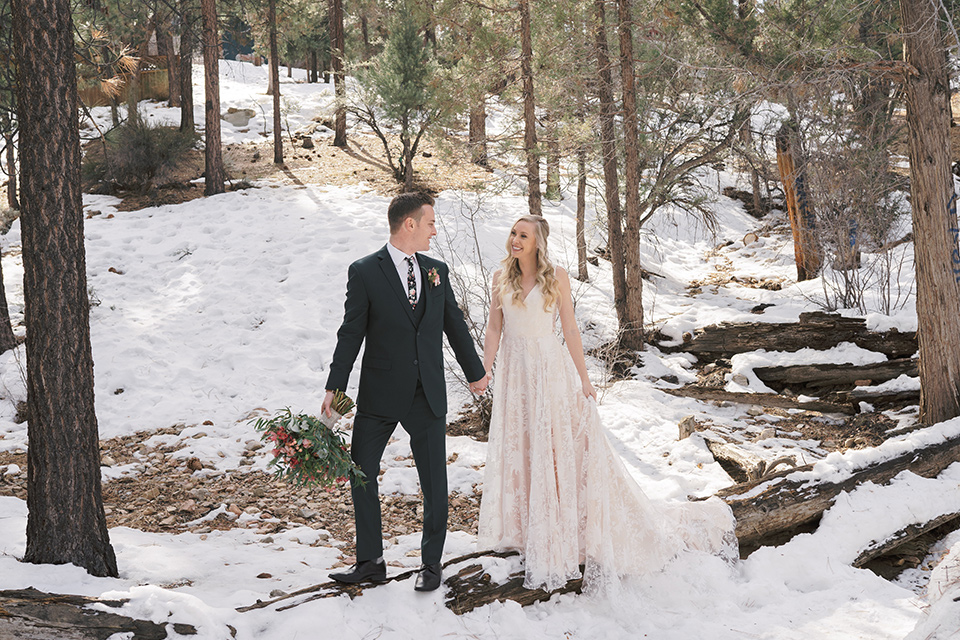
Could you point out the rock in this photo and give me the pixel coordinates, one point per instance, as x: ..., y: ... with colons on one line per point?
x: 754, y: 411
x: 278, y: 593
x: 238, y: 117
x: 169, y: 521
x: 234, y: 509
x: 862, y: 383
x: 253, y: 445
x: 767, y: 433
x: 265, y: 576
x: 741, y: 379
x: 307, y: 143
x: 194, y: 464
x: 107, y: 461
x: 688, y: 426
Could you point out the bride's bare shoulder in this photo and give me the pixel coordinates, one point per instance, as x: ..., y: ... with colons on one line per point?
x: 561, y: 275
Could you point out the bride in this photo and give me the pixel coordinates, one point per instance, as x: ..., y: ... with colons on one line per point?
x: 554, y: 488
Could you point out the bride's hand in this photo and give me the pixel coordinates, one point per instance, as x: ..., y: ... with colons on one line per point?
x: 588, y: 390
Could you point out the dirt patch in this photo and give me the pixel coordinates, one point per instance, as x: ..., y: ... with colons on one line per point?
x: 439, y: 166
x: 169, y: 494
x: 475, y: 423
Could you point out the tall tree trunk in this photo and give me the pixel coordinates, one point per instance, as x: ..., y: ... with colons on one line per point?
x: 7, y: 339
x: 611, y: 180
x: 365, y: 35
x: 65, y: 521
x: 187, y: 20
x: 165, y: 48
x: 799, y: 210
x: 529, y: 113
x: 275, y: 78
x: 336, y: 60
x: 631, y: 333
x: 12, y: 200
x: 582, y: 274
x: 746, y: 139
x: 553, y: 161
x: 214, y: 173
x: 933, y: 202
x: 314, y: 67
x: 478, y: 132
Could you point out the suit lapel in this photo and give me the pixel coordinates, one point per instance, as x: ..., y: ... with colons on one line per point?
x: 393, y: 281
x: 424, y: 285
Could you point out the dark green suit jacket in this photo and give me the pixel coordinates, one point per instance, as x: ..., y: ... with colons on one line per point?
x: 398, y: 350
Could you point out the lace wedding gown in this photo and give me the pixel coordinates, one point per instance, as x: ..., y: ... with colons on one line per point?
x: 555, y: 489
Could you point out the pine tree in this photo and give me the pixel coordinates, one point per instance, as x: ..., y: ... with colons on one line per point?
x: 400, y: 87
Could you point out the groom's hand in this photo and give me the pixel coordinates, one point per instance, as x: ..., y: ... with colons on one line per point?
x: 326, y: 408
x: 480, y: 386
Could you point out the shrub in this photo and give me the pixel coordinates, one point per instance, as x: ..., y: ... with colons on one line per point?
x: 138, y: 156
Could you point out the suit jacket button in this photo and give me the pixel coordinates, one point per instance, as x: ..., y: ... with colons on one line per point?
x: 415, y: 362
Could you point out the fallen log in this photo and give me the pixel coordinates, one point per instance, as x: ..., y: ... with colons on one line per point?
x: 892, y: 543
x: 469, y: 588
x: 820, y: 329
x: 462, y: 594
x: 29, y: 614
x: 762, y: 399
x: 472, y: 587
x: 787, y: 500
x: 814, y: 377
x: 743, y: 465
x: 886, y: 398
x: 330, y: 589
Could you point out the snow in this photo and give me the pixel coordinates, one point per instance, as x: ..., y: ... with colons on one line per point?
x: 215, y: 309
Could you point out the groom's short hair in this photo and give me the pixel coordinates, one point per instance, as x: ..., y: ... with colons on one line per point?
x: 407, y: 205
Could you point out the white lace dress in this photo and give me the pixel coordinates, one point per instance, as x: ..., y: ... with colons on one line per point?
x: 555, y: 489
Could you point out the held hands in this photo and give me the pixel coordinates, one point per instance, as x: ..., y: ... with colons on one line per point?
x: 480, y: 386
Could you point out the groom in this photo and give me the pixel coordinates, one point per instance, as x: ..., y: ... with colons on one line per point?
x: 400, y: 302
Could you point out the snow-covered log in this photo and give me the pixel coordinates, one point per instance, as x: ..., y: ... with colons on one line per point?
x: 883, y: 547
x: 29, y: 614
x: 789, y: 499
x: 813, y: 377
x: 761, y: 399
x: 817, y: 329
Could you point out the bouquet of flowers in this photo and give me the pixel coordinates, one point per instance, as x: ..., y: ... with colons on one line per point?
x: 306, y: 450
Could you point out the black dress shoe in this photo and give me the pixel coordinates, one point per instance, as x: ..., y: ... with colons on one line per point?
x: 429, y: 577
x: 366, y: 571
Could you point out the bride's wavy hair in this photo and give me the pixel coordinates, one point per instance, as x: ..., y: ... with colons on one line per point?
x: 510, y: 287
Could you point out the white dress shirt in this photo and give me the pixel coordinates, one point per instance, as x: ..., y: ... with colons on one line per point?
x: 400, y: 262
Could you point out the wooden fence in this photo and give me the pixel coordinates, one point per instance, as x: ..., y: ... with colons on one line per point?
x: 154, y: 84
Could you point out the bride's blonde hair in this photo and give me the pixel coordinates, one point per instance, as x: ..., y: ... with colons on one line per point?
x: 510, y: 286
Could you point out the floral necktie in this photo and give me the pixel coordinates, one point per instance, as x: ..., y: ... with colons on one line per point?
x: 411, y: 283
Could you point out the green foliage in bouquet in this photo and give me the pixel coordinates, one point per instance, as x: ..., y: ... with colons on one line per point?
x: 307, y: 452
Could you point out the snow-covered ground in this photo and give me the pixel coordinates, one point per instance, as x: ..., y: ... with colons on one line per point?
x: 208, y: 310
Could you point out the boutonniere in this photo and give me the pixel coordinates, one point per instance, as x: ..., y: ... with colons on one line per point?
x: 433, y: 277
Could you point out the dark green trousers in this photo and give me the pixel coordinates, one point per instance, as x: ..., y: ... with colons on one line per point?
x: 427, y: 440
